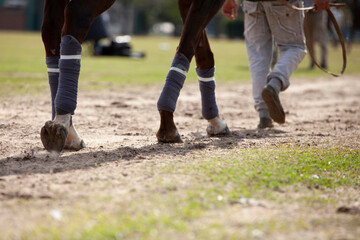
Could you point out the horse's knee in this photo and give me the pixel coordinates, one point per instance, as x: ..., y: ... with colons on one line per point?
x: 53, y: 21
x: 51, y: 36
x: 78, y: 19
x: 50, y: 28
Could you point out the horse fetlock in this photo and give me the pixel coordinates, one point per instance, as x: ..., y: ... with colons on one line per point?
x: 217, y: 126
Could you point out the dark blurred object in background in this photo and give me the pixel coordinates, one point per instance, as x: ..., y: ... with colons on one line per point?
x: 105, y: 45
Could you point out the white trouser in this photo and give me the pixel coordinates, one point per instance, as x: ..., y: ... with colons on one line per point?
x: 263, y: 22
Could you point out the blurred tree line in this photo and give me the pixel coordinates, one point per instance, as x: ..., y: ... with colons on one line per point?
x: 147, y: 13
x: 125, y: 17
x: 139, y: 17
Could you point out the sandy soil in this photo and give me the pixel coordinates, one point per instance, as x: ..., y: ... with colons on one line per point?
x: 119, y: 125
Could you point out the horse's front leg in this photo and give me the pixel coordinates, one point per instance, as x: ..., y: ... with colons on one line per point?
x: 77, y: 17
x: 196, y: 14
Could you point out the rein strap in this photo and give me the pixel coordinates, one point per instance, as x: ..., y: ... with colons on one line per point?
x: 337, y: 28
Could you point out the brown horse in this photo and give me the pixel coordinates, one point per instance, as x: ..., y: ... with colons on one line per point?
x: 315, y: 24
x: 64, y: 28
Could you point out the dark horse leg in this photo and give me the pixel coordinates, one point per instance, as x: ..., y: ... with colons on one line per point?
x: 205, y: 68
x: 65, y: 25
x: 195, y: 14
x: 354, y: 5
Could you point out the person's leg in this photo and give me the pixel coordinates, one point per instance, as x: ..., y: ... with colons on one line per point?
x: 258, y: 40
x: 310, y: 28
x: 290, y: 39
x: 323, y: 38
x: 275, y: 53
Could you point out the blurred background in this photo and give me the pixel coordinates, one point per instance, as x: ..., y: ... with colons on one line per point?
x: 143, y: 17
x: 146, y: 30
x: 125, y: 17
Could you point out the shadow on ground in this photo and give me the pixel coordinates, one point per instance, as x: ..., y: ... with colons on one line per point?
x: 37, y: 161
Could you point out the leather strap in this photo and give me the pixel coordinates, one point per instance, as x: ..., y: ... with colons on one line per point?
x: 337, y: 28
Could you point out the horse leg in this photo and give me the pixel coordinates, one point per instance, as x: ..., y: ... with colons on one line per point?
x: 168, y: 132
x: 52, y: 24
x: 196, y: 14
x: 53, y: 21
x: 205, y: 69
x: 78, y: 16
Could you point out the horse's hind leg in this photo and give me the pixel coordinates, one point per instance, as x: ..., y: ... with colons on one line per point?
x: 205, y: 69
x: 53, y: 136
x: 53, y: 22
x: 196, y: 14
x: 78, y: 16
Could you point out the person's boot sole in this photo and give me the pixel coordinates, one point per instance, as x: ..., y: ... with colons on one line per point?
x: 272, y: 101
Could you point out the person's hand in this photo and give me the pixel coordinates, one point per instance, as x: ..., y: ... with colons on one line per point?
x: 229, y: 9
x: 321, y: 5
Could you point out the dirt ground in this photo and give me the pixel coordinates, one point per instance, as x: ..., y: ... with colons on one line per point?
x: 119, y: 125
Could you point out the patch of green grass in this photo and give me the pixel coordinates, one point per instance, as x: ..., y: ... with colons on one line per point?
x: 170, y: 210
x: 22, y: 63
x: 254, y: 171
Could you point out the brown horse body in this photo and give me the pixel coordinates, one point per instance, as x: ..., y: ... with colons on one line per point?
x: 65, y: 17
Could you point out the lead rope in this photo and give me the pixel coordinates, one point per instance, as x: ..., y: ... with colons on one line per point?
x: 337, y: 28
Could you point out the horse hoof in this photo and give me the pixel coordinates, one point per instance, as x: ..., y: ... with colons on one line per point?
x: 217, y: 127
x: 167, y: 132
x: 73, y: 140
x: 82, y: 144
x: 225, y: 132
x: 53, y: 136
x: 165, y: 139
x: 75, y: 147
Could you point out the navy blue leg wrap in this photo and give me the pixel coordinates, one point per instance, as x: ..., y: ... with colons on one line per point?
x: 66, y: 97
x: 207, y: 90
x: 52, y: 64
x: 174, y: 82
